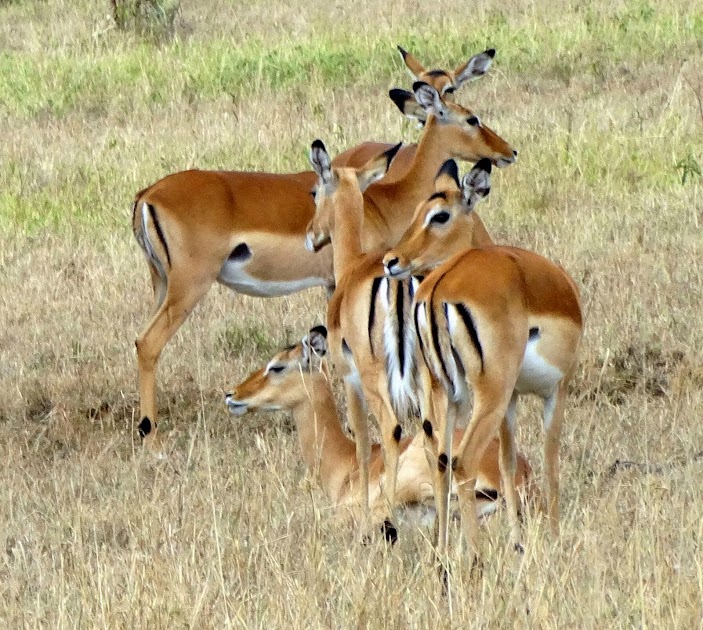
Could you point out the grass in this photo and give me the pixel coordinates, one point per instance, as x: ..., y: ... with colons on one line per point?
x: 603, y: 102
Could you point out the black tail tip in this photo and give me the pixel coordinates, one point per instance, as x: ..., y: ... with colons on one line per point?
x: 390, y: 533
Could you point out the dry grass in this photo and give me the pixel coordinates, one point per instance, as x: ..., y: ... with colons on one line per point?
x: 601, y: 102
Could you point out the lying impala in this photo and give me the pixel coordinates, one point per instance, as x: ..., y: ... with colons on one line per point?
x: 501, y: 321
x: 296, y: 380
x: 247, y: 230
x: 372, y: 338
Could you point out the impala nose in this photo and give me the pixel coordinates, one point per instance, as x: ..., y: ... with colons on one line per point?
x: 391, y: 263
x: 515, y: 153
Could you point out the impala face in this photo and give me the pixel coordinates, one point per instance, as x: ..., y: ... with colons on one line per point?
x: 336, y: 186
x: 443, y: 225
x: 466, y: 137
x: 276, y: 386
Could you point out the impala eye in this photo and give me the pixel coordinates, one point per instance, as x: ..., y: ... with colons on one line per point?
x: 440, y: 217
x: 473, y: 121
x: 313, y: 193
x: 277, y: 368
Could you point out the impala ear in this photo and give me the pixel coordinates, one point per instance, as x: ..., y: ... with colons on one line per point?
x: 320, y: 160
x: 447, y: 177
x: 429, y: 99
x: 315, y: 343
x: 475, y: 67
x: 412, y: 64
x: 376, y: 168
x: 405, y: 101
x: 476, y: 184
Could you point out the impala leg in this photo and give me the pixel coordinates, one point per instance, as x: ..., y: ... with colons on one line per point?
x: 376, y: 391
x: 445, y: 414
x: 182, y: 295
x: 488, y: 414
x: 360, y: 427
x: 158, y: 285
x: 508, y: 464
x: 553, y: 418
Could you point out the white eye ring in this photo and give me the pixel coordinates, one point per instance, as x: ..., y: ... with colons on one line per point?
x: 440, y: 217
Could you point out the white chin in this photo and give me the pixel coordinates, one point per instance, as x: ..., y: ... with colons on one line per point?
x: 309, y: 244
x: 237, y: 410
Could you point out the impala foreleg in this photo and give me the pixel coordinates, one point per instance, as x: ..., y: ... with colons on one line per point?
x: 360, y: 427
x: 182, y: 295
x: 508, y: 465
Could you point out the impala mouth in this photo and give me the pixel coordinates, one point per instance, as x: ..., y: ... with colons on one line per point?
x: 235, y: 408
x: 314, y: 245
x: 393, y: 270
x: 502, y: 162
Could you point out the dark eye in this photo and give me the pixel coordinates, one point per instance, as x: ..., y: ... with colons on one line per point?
x: 313, y: 192
x: 473, y: 121
x: 277, y: 368
x: 440, y: 217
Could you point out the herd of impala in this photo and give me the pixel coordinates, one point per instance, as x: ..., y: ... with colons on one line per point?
x: 426, y: 313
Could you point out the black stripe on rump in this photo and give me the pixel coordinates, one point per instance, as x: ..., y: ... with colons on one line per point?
x: 419, y: 336
x: 471, y: 329
x: 372, y: 309
x: 399, y: 299
x: 159, y: 232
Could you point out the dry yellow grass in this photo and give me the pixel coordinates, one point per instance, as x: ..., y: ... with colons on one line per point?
x: 601, y: 102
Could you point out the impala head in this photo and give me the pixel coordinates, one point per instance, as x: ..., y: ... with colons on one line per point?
x: 443, y: 225
x: 341, y: 187
x: 446, y: 82
x: 462, y: 131
x: 277, y: 385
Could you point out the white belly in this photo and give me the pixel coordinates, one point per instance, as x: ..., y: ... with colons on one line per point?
x: 234, y: 276
x: 536, y: 375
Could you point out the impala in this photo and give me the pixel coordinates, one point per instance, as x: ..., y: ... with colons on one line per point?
x: 296, y: 380
x: 247, y: 230
x: 372, y: 338
x: 501, y: 321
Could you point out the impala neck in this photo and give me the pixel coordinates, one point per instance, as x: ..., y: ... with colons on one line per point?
x: 324, y: 444
x: 480, y: 236
x: 346, y: 236
x: 390, y: 216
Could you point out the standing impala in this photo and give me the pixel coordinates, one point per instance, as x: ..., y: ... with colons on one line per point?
x: 372, y: 338
x: 501, y: 321
x: 296, y: 380
x: 247, y: 230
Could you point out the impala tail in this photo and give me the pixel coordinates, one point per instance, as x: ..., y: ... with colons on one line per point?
x: 150, y: 235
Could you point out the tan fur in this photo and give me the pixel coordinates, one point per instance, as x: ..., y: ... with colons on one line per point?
x: 303, y: 387
x: 509, y: 294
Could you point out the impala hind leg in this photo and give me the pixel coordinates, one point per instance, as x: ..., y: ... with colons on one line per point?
x: 553, y: 419
x: 487, y: 418
x: 183, y: 292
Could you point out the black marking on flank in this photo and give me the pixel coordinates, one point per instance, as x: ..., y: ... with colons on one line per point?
x: 427, y: 428
x: 486, y: 493
x: 534, y: 333
x: 390, y: 533
x: 144, y: 427
x: 438, y: 195
x: 240, y: 253
x: 159, y: 232
x: 372, y: 309
x: 471, y: 329
x: 397, y: 433
x: 399, y: 300
x: 442, y: 462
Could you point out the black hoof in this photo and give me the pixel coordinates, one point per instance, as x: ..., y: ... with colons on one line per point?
x: 519, y: 549
x: 144, y: 427
x: 390, y: 533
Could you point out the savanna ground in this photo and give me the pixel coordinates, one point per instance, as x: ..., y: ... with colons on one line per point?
x: 603, y: 101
